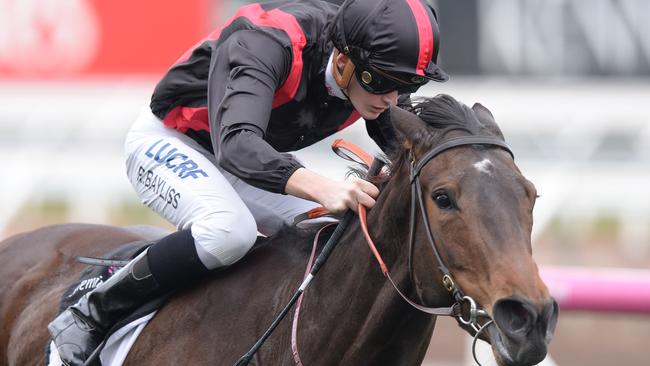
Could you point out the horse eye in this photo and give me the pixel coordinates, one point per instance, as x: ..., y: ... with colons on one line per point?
x: 442, y: 200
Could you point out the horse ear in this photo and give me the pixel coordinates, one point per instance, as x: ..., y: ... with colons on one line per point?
x: 408, y: 125
x: 487, y: 119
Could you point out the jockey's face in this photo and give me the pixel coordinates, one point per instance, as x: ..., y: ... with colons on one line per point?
x: 369, y: 105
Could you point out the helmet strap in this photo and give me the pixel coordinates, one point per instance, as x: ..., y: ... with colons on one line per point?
x: 342, y: 78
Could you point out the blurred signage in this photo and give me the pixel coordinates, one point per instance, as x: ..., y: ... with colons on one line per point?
x: 533, y: 37
x: 79, y: 38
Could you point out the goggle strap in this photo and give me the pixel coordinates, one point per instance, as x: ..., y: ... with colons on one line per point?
x: 342, y: 79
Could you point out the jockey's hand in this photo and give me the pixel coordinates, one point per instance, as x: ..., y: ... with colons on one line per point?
x: 335, y: 196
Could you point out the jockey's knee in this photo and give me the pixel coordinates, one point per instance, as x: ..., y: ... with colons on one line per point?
x: 223, y: 239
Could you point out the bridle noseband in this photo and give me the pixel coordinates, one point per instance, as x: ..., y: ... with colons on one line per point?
x: 416, y: 194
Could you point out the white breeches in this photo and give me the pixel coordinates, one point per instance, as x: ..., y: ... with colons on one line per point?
x: 182, y: 182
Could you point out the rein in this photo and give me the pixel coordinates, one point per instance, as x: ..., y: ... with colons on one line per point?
x: 296, y: 315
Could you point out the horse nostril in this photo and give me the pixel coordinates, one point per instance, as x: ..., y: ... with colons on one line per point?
x: 550, y: 315
x: 514, y: 317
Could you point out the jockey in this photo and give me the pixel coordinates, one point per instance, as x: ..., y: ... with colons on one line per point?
x: 210, y: 151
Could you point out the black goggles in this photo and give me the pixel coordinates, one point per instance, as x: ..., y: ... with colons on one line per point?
x: 375, y: 81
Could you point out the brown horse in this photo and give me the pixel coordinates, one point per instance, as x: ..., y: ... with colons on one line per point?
x: 479, y: 209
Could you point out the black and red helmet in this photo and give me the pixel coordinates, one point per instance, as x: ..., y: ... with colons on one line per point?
x: 392, y: 40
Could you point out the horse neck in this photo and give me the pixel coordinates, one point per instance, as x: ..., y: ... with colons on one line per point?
x: 385, y: 329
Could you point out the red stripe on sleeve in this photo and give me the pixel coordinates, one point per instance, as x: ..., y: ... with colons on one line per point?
x: 425, y: 34
x: 288, y: 23
x: 184, y: 118
x: 274, y: 19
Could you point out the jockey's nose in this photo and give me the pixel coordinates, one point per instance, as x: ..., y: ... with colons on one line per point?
x: 390, y: 98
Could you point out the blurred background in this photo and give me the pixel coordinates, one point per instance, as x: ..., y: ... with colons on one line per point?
x: 567, y: 80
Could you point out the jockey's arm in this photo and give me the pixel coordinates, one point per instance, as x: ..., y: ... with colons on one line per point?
x: 241, y: 90
x: 242, y: 116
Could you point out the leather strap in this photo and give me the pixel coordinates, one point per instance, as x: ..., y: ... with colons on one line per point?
x: 343, y: 147
x: 294, y: 325
x: 417, y: 197
x: 314, y: 213
x: 454, y: 310
x: 342, y: 78
x: 459, y: 141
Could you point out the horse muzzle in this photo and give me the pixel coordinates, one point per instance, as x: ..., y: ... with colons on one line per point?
x: 522, y: 331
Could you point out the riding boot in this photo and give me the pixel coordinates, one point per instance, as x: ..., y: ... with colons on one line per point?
x: 81, y: 328
x: 170, y: 263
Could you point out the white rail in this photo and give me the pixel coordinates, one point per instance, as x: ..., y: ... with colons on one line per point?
x: 67, y: 139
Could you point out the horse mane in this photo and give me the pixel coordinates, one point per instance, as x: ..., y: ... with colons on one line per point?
x: 444, y: 115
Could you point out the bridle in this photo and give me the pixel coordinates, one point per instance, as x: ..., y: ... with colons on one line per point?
x: 417, y: 194
x: 460, y: 298
x: 475, y: 313
x: 417, y: 197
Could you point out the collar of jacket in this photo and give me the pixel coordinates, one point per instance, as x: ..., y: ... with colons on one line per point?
x: 330, y: 83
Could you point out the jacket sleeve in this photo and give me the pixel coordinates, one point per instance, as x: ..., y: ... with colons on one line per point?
x: 248, y: 67
x: 381, y: 130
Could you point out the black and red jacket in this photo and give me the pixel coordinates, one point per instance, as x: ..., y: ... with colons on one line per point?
x: 255, y: 88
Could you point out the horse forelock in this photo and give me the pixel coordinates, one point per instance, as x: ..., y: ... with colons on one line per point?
x: 445, y: 118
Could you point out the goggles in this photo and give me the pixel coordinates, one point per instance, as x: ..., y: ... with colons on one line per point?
x: 375, y: 81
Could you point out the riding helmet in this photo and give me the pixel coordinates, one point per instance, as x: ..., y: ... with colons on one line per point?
x: 389, y: 41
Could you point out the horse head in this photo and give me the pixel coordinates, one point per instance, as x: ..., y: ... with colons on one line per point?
x: 477, y: 207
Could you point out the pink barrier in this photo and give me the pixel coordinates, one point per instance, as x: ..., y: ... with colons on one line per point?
x: 599, y: 289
